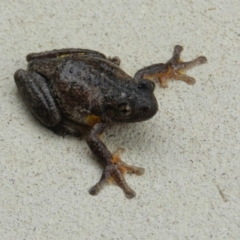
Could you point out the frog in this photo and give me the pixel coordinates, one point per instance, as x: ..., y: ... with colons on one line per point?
x: 83, y: 93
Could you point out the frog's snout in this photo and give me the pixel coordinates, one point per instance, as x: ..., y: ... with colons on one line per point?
x: 150, y: 110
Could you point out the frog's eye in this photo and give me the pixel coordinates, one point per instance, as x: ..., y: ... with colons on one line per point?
x: 124, y: 110
x: 152, y: 85
x: 146, y: 84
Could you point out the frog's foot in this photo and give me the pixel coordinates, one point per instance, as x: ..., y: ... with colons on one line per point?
x: 176, y: 68
x: 114, y: 171
x: 173, y: 69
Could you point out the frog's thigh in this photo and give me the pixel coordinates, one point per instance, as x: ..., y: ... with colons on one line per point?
x: 36, y: 94
x: 61, y: 53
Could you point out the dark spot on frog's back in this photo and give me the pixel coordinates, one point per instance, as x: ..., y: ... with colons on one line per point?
x: 71, y: 70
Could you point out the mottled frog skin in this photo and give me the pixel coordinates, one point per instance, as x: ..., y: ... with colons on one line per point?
x: 82, y: 92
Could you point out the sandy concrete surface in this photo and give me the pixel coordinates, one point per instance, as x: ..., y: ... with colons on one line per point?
x: 190, y: 149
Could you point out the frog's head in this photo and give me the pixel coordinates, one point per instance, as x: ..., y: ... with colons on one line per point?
x: 134, y: 103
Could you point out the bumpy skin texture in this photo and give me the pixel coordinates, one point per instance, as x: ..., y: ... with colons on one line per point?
x: 81, y: 92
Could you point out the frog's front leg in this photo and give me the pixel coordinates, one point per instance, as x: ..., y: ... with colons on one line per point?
x: 114, y: 166
x: 35, y: 92
x: 173, y: 69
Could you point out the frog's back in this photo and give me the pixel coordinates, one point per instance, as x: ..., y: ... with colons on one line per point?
x: 82, y: 86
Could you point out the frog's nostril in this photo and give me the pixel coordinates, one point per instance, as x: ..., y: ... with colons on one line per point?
x: 148, y: 111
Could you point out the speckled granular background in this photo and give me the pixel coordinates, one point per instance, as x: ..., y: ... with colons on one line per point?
x: 190, y: 149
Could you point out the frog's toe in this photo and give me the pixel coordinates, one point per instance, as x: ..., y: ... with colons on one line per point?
x: 184, y: 77
x: 116, y: 60
x: 130, y: 194
x: 176, y: 53
x: 95, y: 189
x: 125, y: 167
x: 202, y: 59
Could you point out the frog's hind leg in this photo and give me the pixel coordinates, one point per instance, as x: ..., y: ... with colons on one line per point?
x: 34, y: 90
x: 62, y: 53
x: 173, y: 69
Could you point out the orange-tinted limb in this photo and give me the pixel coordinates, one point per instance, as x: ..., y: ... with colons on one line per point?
x: 114, y: 166
x: 173, y: 69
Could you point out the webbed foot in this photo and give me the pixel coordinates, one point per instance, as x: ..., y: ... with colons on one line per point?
x: 174, y: 69
x: 114, y: 171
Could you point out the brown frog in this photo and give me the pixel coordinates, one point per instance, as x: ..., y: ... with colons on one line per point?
x: 82, y: 92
